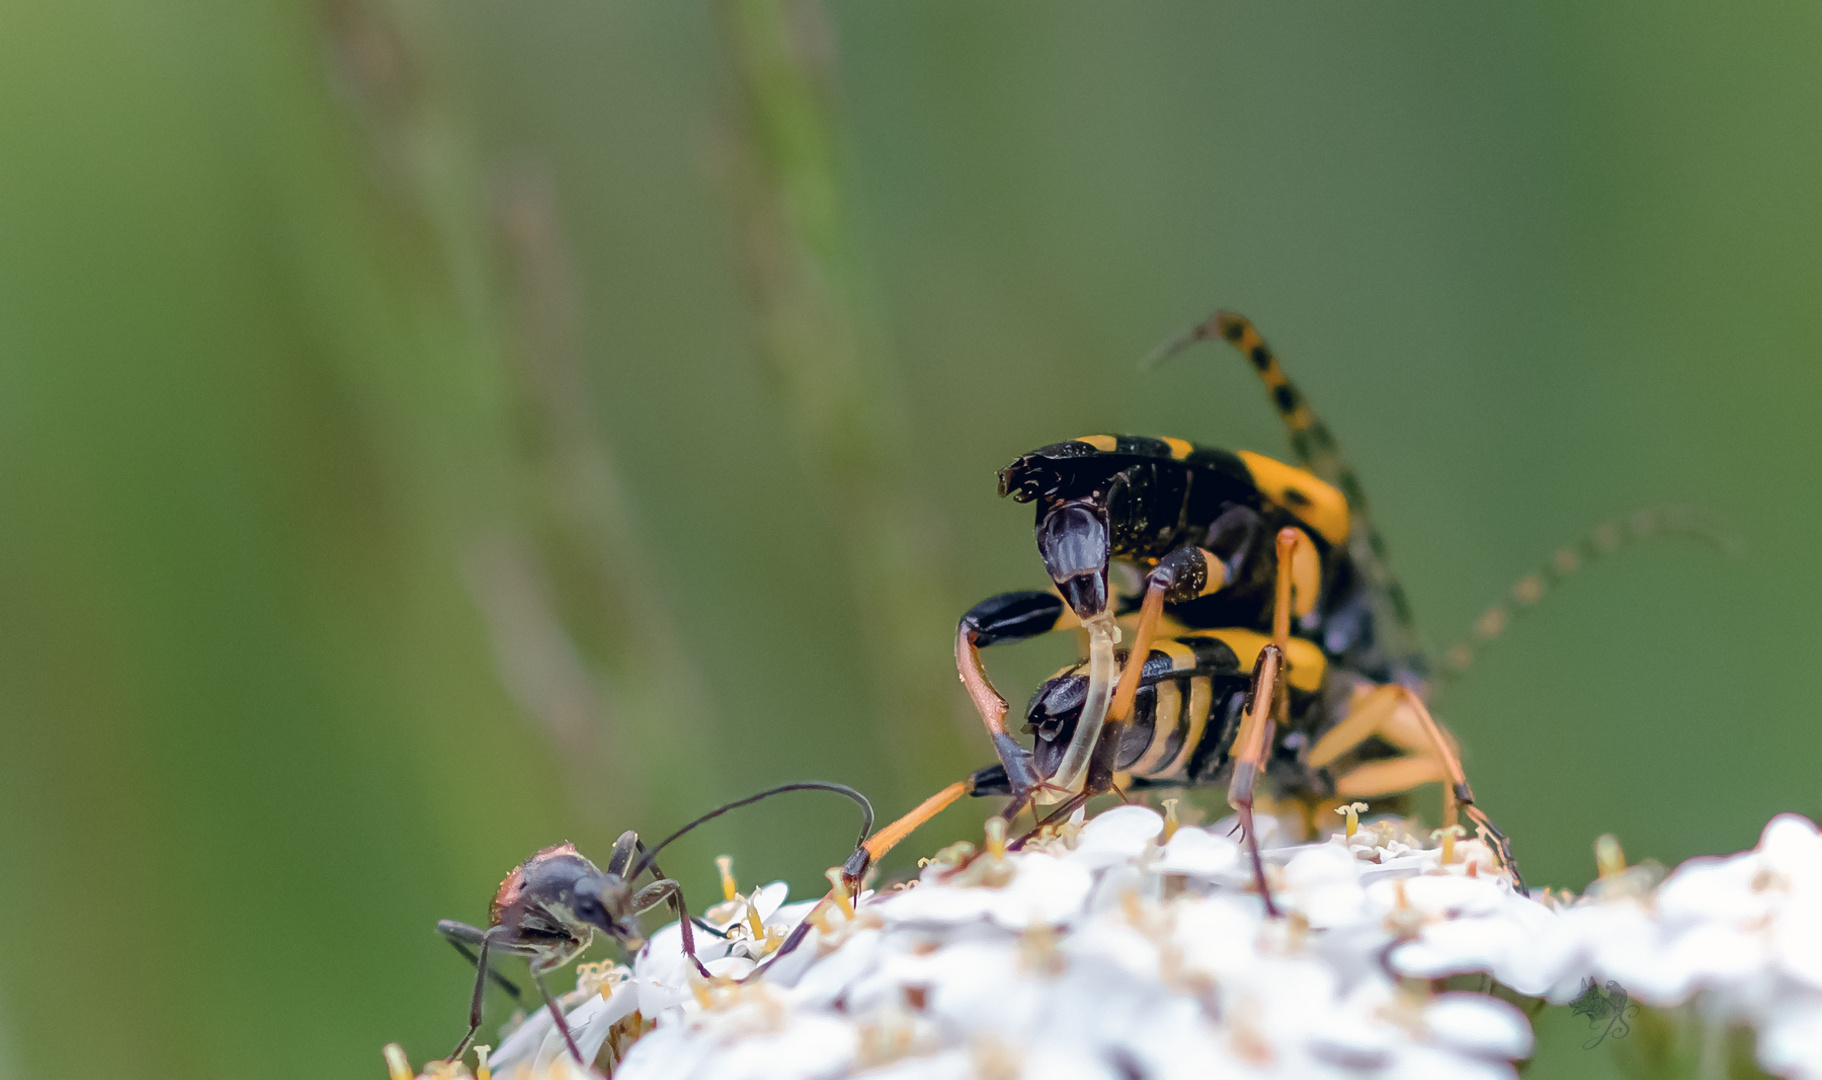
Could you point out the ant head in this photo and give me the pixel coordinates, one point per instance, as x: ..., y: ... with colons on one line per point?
x: 562, y: 884
x: 604, y: 901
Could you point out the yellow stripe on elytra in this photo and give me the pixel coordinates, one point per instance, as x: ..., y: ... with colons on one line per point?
x: 1182, y: 657
x: 1104, y: 443
x: 1179, y: 448
x: 1201, y: 697
x: 1163, y: 726
x: 1320, y: 506
x: 1307, y: 663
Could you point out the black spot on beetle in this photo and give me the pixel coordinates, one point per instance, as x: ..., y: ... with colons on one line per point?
x: 1296, y: 497
x: 1262, y: 357
x: 1285, y: 397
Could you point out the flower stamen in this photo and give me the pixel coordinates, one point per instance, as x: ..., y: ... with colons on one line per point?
x: 1609, y: 857
x: 839, y: 891
x: 996, y: 838
x: 1352, y: 812
x: 1447, y: 835
x: 398, y: 1066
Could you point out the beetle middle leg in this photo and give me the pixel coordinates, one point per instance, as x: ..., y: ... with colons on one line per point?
x: 1266, y: 709
x: 1182, y: 575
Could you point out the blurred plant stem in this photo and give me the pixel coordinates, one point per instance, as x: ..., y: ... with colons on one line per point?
x: 579, y: 581
x: 580, y: 637
x: 807, y: 291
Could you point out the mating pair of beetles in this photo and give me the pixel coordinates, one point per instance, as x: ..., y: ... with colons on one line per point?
x: 1267, y: 636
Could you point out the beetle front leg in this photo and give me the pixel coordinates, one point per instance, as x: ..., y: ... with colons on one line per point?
x: 1014, y: 616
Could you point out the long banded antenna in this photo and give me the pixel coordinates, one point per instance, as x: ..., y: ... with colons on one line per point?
x: 1316, y: 450
x: 1646, y: 523
x: 866, y: 811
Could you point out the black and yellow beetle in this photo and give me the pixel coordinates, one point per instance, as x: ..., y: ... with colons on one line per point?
x: 1202, y: 525
x: 1233, y: 546
x: 1269, y: 634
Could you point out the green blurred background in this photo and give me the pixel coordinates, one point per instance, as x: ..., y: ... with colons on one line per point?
x: 431, y: 430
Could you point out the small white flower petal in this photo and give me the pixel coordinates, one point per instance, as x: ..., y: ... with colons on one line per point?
x: 1198, y: 853
x: 1045, y: 890
x: 812, y: 1046
x: 935, y: 906
x: 1480, y: 1025
x: 1792, y: 846
x: 1709, y: 888
x: 1797, y: 942
x: 1117, y: 835
x: 823, y: 983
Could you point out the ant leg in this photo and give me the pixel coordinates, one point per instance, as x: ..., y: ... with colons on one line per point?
x: 484, y: 938
x: 625, y: 849
x: 1013, y: 616
x: 556, y: 1015
x: 499, y: 980
x: 666, y: 890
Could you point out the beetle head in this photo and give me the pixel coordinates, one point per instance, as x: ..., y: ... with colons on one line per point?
x: 1072, y: 539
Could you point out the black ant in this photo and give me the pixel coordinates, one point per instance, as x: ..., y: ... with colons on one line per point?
x: 548, y: 909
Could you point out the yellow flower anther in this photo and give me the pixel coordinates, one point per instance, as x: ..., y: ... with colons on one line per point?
x: 996, y: 838
x: 398, y: 1066
x: 725, y: 863
x: 1171, y: 824
x: 481, y: 1071
x: 1352, y: 812
x: 1447, y: 835
x: 700, y: 988
x: 839, y: 890
x: 753, y: 922
x: 1608, y: 856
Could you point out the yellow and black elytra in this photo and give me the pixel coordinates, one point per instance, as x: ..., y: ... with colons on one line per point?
x: 1186, y: 713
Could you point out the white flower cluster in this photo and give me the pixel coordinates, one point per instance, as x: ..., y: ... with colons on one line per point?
x: 1128, y: 947
x: 1108, y: 951
x: 1739, y: 937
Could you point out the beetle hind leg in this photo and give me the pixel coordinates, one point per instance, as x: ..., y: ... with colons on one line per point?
x: 1398, y: 716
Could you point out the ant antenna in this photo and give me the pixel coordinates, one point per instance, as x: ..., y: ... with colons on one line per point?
x: 1646, y: 523
x: 866, y: 812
